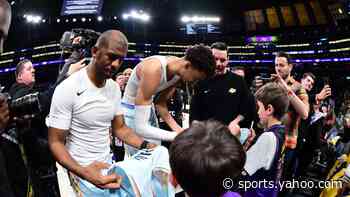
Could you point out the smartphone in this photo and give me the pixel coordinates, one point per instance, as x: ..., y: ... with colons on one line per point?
x: 243, y: 137
x: 326, y: 81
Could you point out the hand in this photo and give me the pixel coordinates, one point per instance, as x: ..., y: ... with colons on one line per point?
x: 234, y: 125
x: 76, y: 66
x: 325, y: 92
x: 179, y: 130
x: 277, y: 78
x: 258, y: 83
x: 151, y: 146
x: 252, y: 135
x: 250, y: 139
x: 92, y: 173
x: 77, y: 40
x: 4, y: 112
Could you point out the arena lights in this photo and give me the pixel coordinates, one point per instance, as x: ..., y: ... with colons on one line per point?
x: 137, y: 15
x: 171, y: 53
x: 47, y: 46
x: 83, y: 19
x: 339, y: 50
x: 6, y: 61
x: 99, y: 18
x: 8, y: 53
x: 241, y: 54
x: 300, y: 52
x: 173, y: 46
x: 200, y: 19
x: 339, y: 41
x: 35, y: 19
x: 240, y: 47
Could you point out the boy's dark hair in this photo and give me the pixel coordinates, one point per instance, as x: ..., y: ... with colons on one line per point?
x: 204, y: 155
x: 20, y: 66
x: 285, y: 55
x: 201, y: 58
x: 219, y: 45
x: 308, y: 74
x: 273, y: 94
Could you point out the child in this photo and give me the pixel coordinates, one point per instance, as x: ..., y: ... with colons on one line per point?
x: 264, y: 158
x: 203, y: 156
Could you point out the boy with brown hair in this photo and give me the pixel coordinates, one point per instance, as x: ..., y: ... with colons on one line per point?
x: 264, y: 158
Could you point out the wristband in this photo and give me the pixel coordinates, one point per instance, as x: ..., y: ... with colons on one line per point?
x: 144, y: 144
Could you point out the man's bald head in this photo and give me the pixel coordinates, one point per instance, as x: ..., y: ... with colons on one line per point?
x: 113, y: 39
x: 5, y: 20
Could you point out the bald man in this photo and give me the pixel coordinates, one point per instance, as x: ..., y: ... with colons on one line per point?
x: 82, y: 110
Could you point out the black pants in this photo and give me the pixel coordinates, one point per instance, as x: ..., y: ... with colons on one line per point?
x: 5, y: 187
x: 15, y: 168
x: 43, y: 177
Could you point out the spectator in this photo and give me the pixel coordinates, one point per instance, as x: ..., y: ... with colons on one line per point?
x: 222, y: 97
x: 5, y: 20
x: 127, y: 73
x: 208, y: 152
x: 265, y: 157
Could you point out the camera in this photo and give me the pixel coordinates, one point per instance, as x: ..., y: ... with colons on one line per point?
x: 27, y: 106
x: 87, y: 41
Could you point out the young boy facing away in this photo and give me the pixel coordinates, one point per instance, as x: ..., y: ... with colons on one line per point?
x: 203, y: 156
x: 264, y: 158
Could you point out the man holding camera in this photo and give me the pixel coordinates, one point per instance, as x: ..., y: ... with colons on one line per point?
x: 5, y: 20
x: 30, y: 162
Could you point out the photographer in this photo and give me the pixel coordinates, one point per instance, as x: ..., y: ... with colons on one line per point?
x: 79, y: 42
x: 5, y: 20
x: 29, y: 161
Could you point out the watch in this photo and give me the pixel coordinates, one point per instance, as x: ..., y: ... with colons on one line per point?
x: 144, y: 144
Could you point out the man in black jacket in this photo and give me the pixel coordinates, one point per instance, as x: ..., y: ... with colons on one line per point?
x: 5, y: 20
x: 29, y: 162
x: 222, y: 97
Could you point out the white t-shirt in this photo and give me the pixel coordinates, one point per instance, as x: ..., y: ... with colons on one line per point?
x: 261, y: 154
x: 86, y: 112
